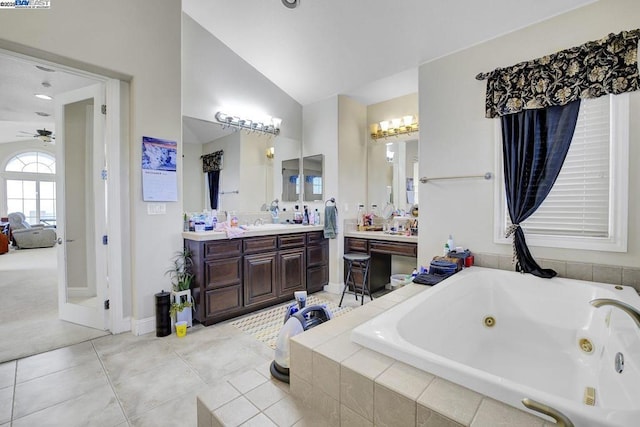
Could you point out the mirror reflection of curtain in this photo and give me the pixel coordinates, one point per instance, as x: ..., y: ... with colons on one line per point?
x: 212, y: 165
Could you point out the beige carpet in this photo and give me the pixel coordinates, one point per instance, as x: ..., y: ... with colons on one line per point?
x: 265, y: 325
x: 29, y: 321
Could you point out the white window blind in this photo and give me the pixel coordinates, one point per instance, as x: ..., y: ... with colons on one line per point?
x: 578, y: 204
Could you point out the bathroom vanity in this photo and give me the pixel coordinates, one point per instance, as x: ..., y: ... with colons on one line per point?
x: 263, y: 267
x: 381, y: 246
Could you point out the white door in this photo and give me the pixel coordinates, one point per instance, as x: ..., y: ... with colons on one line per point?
x: 81, y: 207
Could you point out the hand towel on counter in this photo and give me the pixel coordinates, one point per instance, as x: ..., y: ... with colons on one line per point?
x: 232, y: 232
x: 330, y: 222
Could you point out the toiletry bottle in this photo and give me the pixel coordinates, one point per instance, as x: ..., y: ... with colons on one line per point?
x: 360, y: 217
x: 316, y: 218
x: 312, y: 217
x: 445, y: 252
x: 450, y: 243
x: 305, y: 216
x: 297, y: 216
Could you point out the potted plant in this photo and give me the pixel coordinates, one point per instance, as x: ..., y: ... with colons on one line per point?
x: 181, y: 277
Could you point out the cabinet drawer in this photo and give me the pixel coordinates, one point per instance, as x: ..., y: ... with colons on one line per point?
x: 222, y: 249
x: 394, y: 248
x: 355, y: 245
x: 223, y: 272
x: 291, y: 240
x: 260, y: 244
x: 314, y: 237
x: 223, y: 300
x: 317, y: 255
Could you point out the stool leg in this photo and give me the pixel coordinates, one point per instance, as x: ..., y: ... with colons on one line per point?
x: 364, y: 283
x: 346, y: 282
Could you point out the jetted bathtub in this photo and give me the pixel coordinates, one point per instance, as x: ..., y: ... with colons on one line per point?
x: 514, y: 336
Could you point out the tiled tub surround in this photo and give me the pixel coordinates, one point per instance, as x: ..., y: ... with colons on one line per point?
x: 616, y: 275
x: 532, y: 348
x: 354, y: 386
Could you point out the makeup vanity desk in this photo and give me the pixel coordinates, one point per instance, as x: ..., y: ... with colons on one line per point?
x: 381, y: 246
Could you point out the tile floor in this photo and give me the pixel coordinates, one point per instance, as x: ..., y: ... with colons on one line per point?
x: 126, y: 380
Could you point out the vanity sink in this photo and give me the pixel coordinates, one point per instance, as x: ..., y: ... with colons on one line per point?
x: 267, y: 227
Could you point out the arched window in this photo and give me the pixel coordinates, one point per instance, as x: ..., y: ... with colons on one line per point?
x: 31, y: 186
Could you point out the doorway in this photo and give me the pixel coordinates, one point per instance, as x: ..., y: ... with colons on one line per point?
x: 38, y: 278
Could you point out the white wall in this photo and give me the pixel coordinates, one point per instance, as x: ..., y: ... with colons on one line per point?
x: 320, y: 125
x: 217, y: 79
x: 456, y: 138
x: 141, y: 40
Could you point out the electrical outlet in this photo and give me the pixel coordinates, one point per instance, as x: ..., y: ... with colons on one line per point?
x: 156, y: 208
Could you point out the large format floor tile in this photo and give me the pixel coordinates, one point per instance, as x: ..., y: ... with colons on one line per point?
x: 58, y: 387
x: 98, y: 407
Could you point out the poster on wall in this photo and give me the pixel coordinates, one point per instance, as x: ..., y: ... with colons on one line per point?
x: 159, y: 172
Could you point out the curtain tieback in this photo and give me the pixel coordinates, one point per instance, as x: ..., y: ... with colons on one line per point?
x: 511, y: 231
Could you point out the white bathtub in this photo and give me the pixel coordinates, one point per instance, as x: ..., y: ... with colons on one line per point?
x: 531, y: 352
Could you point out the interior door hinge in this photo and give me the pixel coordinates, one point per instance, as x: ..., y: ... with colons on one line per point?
x: 105, y: 239
x: 104, y: 174
x: 103, y: 108
x: 106, y: 304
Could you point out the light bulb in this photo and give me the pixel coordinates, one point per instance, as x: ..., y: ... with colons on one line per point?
x: 384, y: 125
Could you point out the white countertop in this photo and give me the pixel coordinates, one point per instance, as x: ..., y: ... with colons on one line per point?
x: 259, y: 230
x: 381, y: 235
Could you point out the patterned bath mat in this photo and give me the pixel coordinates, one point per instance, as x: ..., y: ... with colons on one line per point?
x: 266, y: 325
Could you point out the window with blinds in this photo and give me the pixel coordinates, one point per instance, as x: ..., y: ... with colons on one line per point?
x: 578, y: 204
x: 587, y: 206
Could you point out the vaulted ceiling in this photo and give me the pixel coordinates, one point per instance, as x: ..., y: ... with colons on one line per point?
x: 368, y: 49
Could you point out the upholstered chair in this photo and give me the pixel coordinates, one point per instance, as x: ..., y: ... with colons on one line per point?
x: 27, y: 236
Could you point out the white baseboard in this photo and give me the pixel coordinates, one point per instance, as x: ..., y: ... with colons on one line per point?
x: 143, y: 326
x: 121, y: 325
x: 334, y: 288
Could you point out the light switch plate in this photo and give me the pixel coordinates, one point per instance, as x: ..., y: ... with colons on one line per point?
x: 156, y: 208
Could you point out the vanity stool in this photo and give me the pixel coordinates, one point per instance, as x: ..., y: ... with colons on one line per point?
x: 359, y: 261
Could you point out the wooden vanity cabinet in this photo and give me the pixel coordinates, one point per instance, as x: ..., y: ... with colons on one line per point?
x: 317, y: 261
x: 217, y: 282
x: 237, y: 276
x: 381, y: 252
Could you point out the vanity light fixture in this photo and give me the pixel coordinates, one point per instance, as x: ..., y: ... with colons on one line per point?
x: 271, y: 152
x: 395, y: 127
x: 272, y: 127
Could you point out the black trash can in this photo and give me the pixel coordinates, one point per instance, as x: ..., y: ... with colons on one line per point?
x: 163, y: 320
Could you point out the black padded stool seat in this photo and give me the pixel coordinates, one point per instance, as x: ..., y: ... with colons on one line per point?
x: 360, y: 261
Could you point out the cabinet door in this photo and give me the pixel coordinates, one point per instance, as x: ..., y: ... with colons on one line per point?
x: 317, y: 278
x: 260, y: 278
x: 317, y: 255
x: 223, y: 300
x: 292, y: 271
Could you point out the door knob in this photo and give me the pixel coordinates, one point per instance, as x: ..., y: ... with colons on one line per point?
x: 59, y: 241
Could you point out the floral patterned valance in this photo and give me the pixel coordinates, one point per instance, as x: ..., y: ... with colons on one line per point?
x: 596, y: 68
x: 212, y: 162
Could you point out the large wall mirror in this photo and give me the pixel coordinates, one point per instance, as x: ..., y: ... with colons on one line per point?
x: 393, y: 173
x: 250, y: 178
x: 312, y: 167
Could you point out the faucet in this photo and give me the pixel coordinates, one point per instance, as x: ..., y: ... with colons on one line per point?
x: 631, y: 311
x: 258, y: 221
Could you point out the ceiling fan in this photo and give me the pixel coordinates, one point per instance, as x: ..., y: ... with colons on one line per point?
x: 41, y: 134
